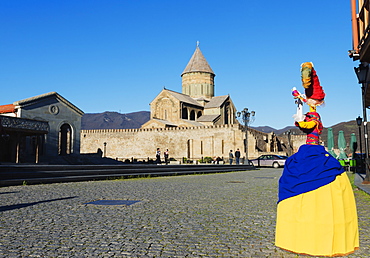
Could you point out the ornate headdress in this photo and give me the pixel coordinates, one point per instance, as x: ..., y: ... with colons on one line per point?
x: 310, y: 81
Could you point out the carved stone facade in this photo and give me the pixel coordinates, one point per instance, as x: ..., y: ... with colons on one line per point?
x: 173, y: 109
x: 19, y: 124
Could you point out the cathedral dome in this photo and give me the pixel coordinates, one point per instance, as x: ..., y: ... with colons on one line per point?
x: 198, y: 63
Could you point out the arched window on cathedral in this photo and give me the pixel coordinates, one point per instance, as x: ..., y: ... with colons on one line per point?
x: 226, y: 112
x: 192, y: 115
x: 184, y: 113
x: 199, y: 114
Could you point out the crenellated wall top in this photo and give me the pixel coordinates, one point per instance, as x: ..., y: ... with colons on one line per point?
x: 237, y: 126
x: 168, y: 129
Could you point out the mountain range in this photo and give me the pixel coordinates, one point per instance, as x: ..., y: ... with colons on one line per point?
x: 115, y: 120
x: 347, y: 127
x: 268, y: 129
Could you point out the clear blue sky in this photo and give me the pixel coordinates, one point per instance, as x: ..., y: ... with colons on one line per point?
x: 118, y: 55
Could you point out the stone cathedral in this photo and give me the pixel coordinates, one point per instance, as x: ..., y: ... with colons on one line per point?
x: 192, y: 124
x: 196, y: 105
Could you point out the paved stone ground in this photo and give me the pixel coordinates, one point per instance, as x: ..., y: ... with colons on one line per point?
x: 213, y: 215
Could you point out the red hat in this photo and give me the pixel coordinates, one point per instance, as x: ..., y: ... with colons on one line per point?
x: 311, y: 83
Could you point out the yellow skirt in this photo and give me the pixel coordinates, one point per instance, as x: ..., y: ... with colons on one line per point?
x: 322, y: 222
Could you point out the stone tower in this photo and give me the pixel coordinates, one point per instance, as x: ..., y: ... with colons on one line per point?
x: 198, y: 77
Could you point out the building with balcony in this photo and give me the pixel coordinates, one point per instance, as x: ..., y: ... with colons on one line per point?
x: 361, y: 52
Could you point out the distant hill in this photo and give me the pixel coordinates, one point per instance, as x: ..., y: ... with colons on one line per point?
x: 268, y: 129
x: 114, y: 120
x: 348, y: 128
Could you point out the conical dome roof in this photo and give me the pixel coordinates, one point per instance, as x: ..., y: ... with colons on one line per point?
x: 198, y: 63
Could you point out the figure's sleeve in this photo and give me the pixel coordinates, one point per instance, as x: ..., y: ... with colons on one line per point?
x: 306, y: 125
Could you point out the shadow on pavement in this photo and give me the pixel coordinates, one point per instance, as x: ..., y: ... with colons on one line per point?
x: 23, y: 205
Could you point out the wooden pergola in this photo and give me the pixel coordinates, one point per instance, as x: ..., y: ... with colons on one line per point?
x: 14, y: 133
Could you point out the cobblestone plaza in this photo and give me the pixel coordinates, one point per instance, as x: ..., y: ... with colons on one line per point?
x: 213, y: 215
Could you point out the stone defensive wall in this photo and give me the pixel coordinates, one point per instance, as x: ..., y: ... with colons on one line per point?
x: 190, y: 142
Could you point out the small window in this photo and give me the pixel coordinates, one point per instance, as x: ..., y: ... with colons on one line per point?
x: 184, y: 113
x: 192, y: 115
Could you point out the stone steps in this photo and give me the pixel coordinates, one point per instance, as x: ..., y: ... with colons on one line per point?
x: 42, y: 174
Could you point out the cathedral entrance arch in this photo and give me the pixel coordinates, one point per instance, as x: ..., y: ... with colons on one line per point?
x: 65, y: 139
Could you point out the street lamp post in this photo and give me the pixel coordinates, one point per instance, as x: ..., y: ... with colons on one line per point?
x: 362, y: 73
x: 246, y: 118
x: 359, y: 123
x: 105, y: 149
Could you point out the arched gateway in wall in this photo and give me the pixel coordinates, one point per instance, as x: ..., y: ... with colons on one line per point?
x: 65, y: 140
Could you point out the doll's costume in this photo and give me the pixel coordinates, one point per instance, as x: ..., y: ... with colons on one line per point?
x: 316, y: 213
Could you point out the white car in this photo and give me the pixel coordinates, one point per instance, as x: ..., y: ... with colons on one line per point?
x: 274, y: 161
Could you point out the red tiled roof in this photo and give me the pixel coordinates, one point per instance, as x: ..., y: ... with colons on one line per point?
x: 7, y: 109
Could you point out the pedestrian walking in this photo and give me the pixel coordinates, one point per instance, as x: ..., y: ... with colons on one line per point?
x: 166, y: 155
x: 158, y: 156
x: 231, y: 157
x: 237, y: 156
